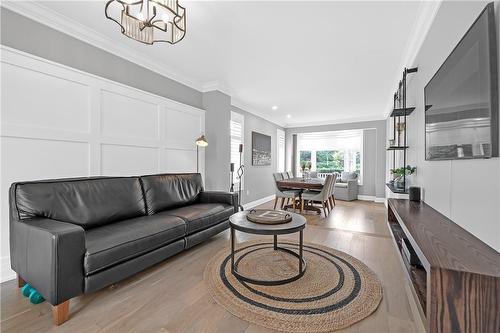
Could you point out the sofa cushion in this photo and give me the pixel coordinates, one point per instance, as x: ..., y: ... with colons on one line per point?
x: 168, y: 191
x: 87, y: 202
x: 118, y: 242
x: 203, y: 215
x: 341, y: 185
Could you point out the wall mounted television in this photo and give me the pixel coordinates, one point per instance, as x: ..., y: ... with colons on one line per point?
x: 461, y: 99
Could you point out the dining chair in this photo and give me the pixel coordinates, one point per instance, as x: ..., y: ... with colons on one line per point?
x: 313, y: 174
x: 321, y: 197
x: 285, y: 175
x: 284, y: 194
x: 331, y: 198
x: 290, y: 174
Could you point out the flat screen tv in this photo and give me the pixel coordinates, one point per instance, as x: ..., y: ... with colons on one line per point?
x: 461, y: 99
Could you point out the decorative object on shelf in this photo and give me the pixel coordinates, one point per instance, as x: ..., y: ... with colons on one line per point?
x: 414, y: 193
x: 149, y: 21
x: 261, y: 149
x: 200, y: 142
x: 400, y: 173
x: 268, y: 216
x: 400, y: 128
x: 398, y: 144
x: 239, y: 173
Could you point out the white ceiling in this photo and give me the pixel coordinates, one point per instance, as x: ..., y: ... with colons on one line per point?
x: 320, y: 62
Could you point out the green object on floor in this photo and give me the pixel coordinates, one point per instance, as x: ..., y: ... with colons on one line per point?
x: 26, y: 290
x: 35, y: 297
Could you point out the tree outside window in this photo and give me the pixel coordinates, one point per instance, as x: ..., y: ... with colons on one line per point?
x: 328, y: 161
x: 305, y: 156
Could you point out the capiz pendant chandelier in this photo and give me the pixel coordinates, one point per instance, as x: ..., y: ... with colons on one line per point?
x: 149, y: 21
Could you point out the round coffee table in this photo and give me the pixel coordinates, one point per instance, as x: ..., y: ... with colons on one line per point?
x: 238, y: 221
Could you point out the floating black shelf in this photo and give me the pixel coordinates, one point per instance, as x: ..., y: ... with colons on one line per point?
x: 394, y: 189
x: 397, y: 148
x: 400, y: 112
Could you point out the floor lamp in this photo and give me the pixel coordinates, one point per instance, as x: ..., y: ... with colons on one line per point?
x: 200, y: 142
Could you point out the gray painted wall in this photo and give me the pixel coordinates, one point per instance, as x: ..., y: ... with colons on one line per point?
x: 218, y: 151
x: 259, y: 182
x: 466, y: 191
x: 32, y: 37
x: 374, y: 153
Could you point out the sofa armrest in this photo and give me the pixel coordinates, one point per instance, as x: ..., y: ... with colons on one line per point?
x: 48, y: 254
x: 352, y: 183
x: 230, y: 198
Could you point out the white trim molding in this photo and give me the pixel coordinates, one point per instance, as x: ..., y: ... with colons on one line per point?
x: 258, y: 202
x: 6, y: 273
x: 370, y: 198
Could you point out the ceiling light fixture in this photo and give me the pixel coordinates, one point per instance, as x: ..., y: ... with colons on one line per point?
x: 289, y: 116
x: 275, y: 107
x: 149, y: 21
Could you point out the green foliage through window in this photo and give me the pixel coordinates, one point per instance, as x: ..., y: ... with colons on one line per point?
x: 329, y: 161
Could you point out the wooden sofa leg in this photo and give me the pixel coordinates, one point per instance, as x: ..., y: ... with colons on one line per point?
x: 60, y: 313
x: 20, y: 281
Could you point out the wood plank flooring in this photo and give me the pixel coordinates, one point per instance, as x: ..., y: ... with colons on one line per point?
x: 172, y: 297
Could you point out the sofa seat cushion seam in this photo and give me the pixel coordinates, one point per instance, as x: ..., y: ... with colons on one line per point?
x: 87, y: 254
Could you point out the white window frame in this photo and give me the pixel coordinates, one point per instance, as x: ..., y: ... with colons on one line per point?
x: 235, y: 141
x: 280, y: 151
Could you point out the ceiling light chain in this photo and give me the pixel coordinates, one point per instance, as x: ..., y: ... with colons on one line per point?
x: 149, y: 21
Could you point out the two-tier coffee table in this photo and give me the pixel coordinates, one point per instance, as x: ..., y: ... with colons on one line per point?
x: 238, y: 221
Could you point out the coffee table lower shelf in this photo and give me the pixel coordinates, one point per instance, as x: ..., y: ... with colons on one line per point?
x: 299, y: 256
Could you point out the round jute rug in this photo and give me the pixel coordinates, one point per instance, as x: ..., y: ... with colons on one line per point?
x: 336, y: 291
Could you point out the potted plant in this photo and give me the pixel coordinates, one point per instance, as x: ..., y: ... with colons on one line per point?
x: 398, y: 174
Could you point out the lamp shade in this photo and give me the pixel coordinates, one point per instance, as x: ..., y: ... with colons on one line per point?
x: 201, y: 141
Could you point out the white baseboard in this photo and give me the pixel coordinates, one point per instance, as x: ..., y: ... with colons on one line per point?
x: 366, y: 197
x: 258, y: 202
x: 370, y: 198
x: 6, y: 273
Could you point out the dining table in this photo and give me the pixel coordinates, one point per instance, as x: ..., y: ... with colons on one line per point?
x: 302, y: 184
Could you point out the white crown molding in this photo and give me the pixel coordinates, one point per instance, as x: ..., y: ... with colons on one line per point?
x: 216, y: 85
x: 79, y: 31
x: 245, y: 107
x: 334, y: 122
x: 425, y: 16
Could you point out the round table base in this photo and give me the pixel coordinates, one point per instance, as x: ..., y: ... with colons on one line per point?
x: 302, y: 270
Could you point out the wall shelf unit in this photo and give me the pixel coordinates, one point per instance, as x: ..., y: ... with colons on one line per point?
x: 397, y: 148
x: 399, y: 145
x: 401, y: 112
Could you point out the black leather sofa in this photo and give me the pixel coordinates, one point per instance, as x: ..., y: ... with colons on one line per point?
x: 73, y: 236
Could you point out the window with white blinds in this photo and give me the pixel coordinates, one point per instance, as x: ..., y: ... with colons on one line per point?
x: 280, y: 135
x: 237, y: 129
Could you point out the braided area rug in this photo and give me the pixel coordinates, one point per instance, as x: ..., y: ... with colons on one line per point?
x: 336, y: 291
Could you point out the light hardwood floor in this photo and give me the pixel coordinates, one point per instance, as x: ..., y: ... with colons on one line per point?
x: 172, y: 297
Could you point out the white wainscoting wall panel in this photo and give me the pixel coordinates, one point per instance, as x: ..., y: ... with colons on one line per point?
x: 59, y: 122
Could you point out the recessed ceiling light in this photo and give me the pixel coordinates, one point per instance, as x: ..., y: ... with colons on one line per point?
x: 289, y: 116
x: 275, y: 107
